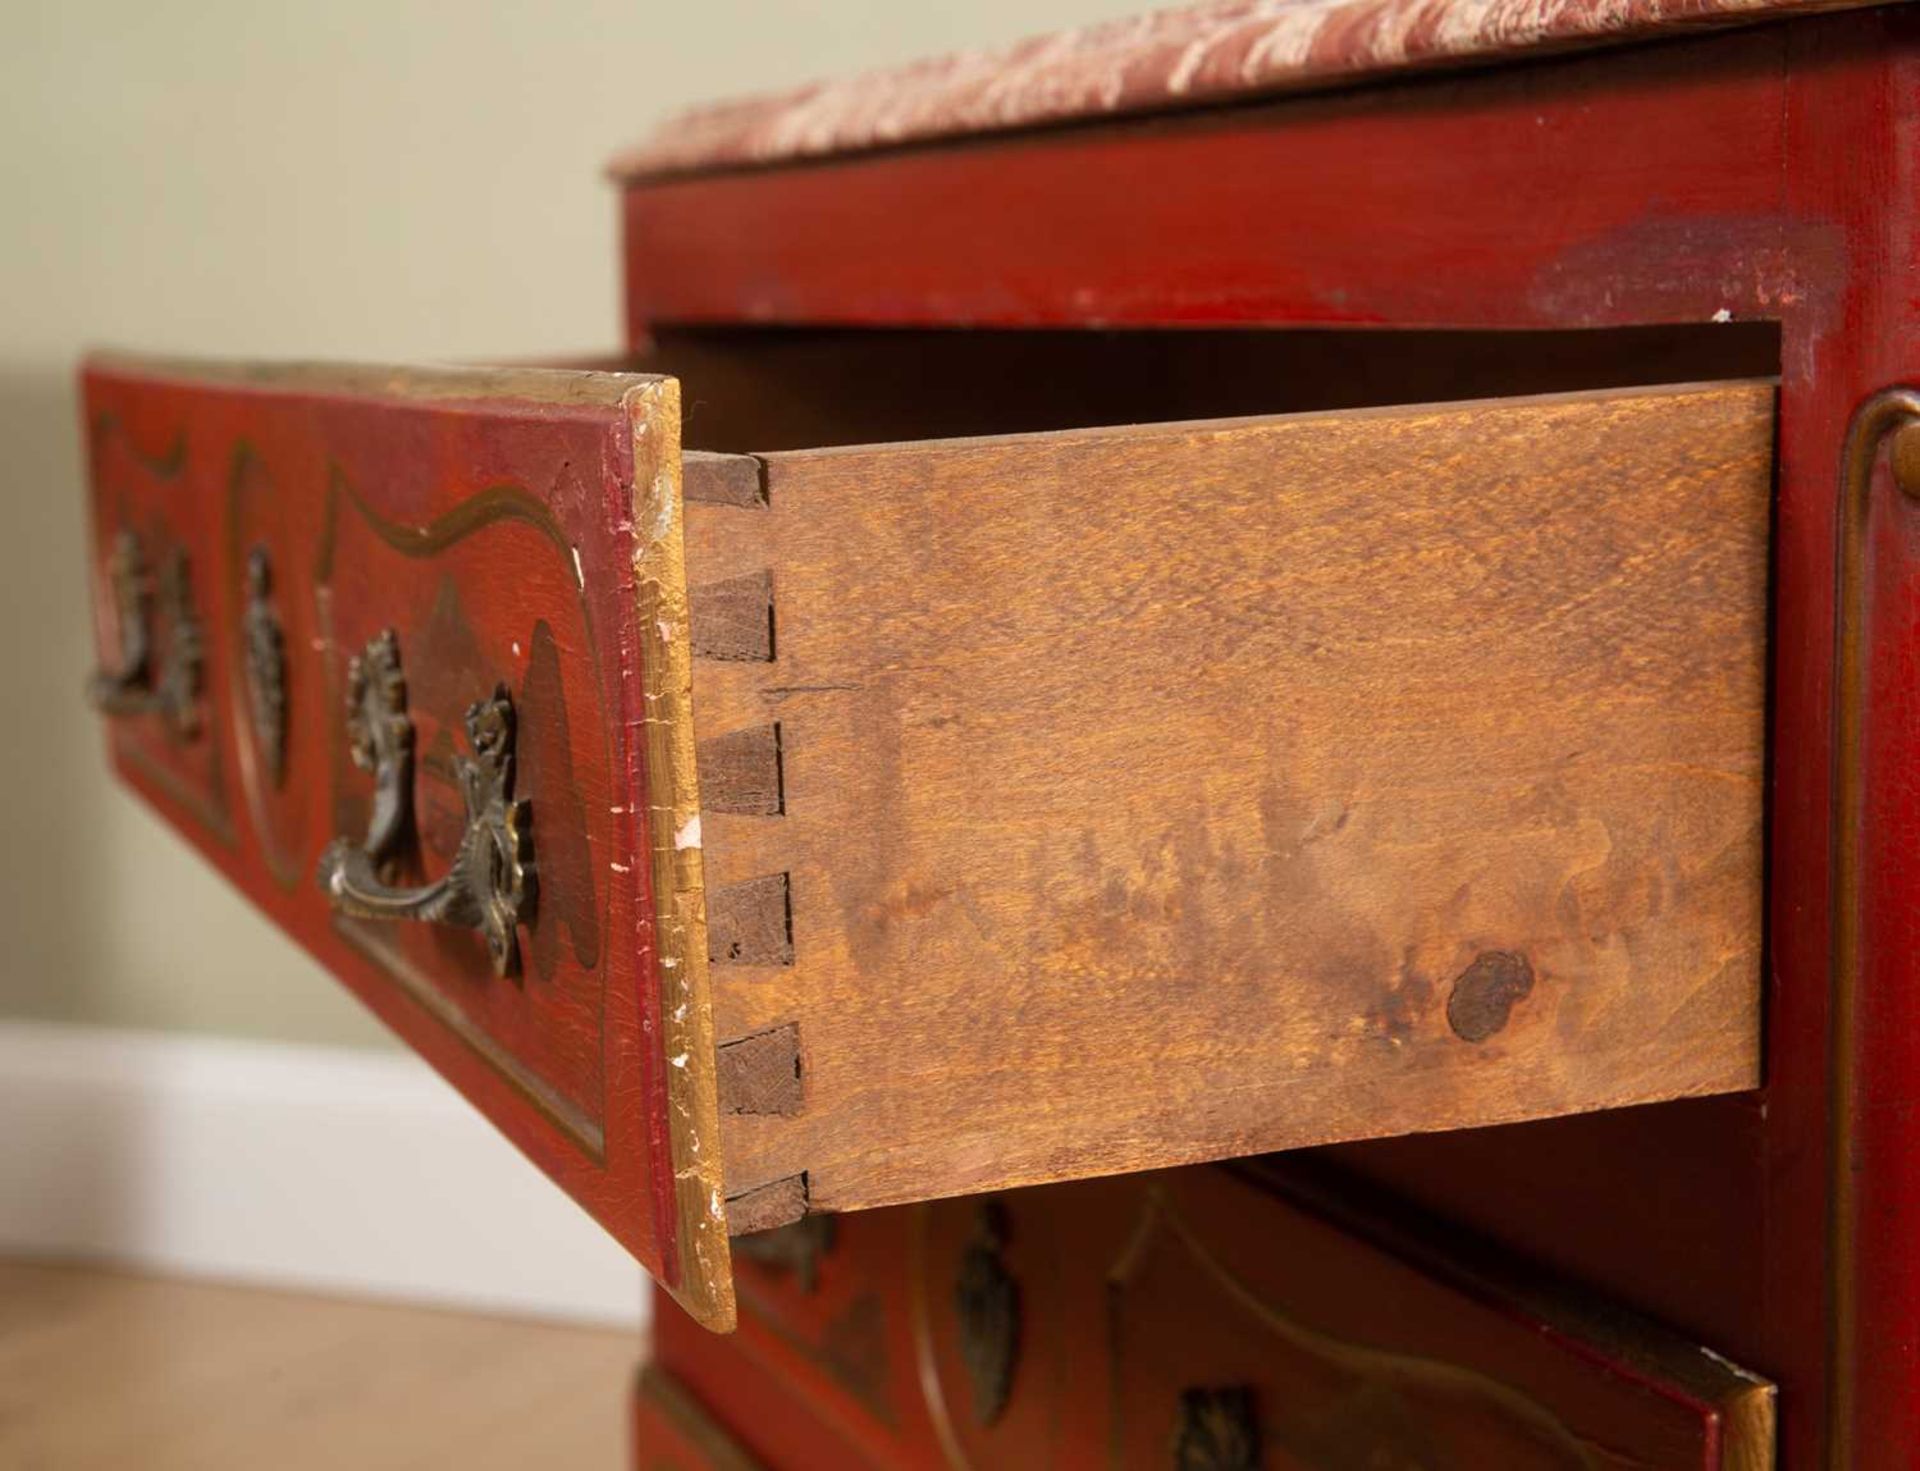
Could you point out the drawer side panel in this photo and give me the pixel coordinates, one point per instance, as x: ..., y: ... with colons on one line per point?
x: 1160, y: 794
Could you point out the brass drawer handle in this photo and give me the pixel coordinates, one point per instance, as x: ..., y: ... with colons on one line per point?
x: 491, y: 885
x: 150, y: 680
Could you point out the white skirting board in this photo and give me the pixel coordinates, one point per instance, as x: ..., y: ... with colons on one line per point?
x: 314, y: 1169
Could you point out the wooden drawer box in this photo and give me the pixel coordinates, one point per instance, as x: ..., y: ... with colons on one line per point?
x: 751, y: 834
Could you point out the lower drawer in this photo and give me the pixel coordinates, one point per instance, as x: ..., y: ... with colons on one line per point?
x: 752, y: 834
x: 1198, y: 1320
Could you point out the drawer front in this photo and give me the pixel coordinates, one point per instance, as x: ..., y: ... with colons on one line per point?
x: 1217, y: 1319
x: 1291, y: 1338
x: 418, y: 733
x: 1139, y: 796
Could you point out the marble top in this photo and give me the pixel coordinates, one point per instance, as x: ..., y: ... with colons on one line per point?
x: 1171, y: 58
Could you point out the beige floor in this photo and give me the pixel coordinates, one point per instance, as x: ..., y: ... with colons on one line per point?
x: 104, y: 1370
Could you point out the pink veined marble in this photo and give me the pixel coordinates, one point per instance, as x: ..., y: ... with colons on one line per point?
x: 1203, y: 53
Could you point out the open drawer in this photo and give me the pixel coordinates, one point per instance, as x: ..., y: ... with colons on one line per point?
x: 749, y: 834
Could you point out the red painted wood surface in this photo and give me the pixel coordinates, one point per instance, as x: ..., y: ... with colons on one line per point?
x: 1860, y: 337
x: 1352, y: 1350
x: 494, y: 533
x: 1768, y: 174
x: 673, y: 1432
x: 1639, y: 188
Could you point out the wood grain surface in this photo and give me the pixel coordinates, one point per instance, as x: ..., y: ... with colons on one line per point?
x: 740, y: 772
x: 1171, y: 793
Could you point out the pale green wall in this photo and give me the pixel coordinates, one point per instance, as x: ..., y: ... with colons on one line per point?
x: 360, y: 178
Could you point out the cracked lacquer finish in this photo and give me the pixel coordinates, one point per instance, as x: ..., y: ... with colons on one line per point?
x: 1196, y: 54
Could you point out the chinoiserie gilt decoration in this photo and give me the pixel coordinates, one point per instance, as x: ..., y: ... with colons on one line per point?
x: 1217, y: 1431
x: 266, y: 647
x: 159, y: 674
x: 987, y: 1306
x: 490, y: 886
